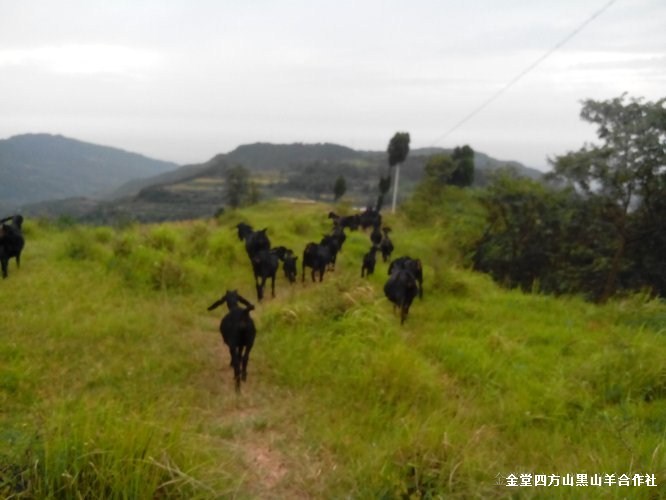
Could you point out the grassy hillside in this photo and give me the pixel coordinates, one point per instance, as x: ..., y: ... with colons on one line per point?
x: 114, y: 382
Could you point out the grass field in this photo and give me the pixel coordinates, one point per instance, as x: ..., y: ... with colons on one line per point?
x: 114, y: 381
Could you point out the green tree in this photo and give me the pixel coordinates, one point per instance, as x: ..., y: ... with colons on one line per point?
x: 520, y: 242
x: 649, y: 235
x: 463, y: 174
x: 384, y: 187
x: 455, y: 170
x: 237, y: 186
x: 438, y: 169
x: 398, y: 149
x: 624, y: 175
x: 339, y: 187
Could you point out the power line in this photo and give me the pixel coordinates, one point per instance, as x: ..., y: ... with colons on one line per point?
x: 524, y: 72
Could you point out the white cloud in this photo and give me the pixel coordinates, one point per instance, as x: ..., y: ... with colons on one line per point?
x: 186, y: 80
x: 85, y: 59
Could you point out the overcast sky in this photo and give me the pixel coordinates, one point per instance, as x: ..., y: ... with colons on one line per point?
x: 183, y: 80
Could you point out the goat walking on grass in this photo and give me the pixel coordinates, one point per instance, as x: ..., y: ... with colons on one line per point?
x: 238, y: 332
x: 414, y: 266
x: 401, y: 288
x: 386, y: 245
x: 369, y: 261
x: 317, y: 257
x: 11, y: 242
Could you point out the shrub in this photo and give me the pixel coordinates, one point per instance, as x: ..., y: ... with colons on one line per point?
x: 81, y: 245
x: 162, y: 238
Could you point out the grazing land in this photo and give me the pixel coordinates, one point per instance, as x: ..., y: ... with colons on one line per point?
x: 115, y: 383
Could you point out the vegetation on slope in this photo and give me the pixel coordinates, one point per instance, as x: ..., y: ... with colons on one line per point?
x: 114, y: 382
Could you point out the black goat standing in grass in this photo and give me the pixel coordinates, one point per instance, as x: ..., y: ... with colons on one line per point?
x: 386, y: 246
x: 413, y: 266
x: 238, y: 332
x: 317, y: 257
x: 289, y: 266
x: 369, y: 261
x: 370, y: 218
x: 264, y: 265
x: 331, y: 242
x: 401, y: 288
x: 376, y: 235
x: 254, y: 240
x: 288, y: 259
x: 338, y: 234
x: 346, y: 221
x: 257, y: 246
x: 11, y: 242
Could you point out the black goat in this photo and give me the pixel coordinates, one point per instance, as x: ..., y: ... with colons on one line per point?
x: 289, y: 266
x: 238, y: 332
x: 265, y: 265
x: 370, y: 218
x: 369, y: 261
x: 317, y: 257
x: 11, y: 242
x: 401, y: 288
x: 331, y: 243
x: 4, y: 259
x: 339, y: 236
x: 345, y: 221
x: 288, y: 259
x: 413, y: 266
x: 376, y: 236
x: 386, y: 246
x: 254, y: 240
x: 281, y: 252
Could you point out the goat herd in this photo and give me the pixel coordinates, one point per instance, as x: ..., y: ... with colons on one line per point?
x: 405, y: 280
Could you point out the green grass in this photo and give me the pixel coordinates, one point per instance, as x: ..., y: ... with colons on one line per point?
x: 114, y: 382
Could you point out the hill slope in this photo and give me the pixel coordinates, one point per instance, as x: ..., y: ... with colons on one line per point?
x: 39, y: 167
x: 282, y: 170
x: 114, y: 381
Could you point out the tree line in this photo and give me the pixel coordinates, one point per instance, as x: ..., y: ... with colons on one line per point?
x: 598, y: 226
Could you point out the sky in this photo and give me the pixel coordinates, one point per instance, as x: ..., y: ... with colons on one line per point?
x: 184, y: 80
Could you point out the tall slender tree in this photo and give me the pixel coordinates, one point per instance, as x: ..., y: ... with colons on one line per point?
x: 398, y: 149
x: 384, y: 186
x: 339, y: 187
x: 463, y: 175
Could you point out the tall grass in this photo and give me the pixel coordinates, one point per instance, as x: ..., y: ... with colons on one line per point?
x: 114, y: 382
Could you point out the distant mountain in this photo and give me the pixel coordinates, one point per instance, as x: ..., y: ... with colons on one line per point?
x: 281, y: 170
x: 38, y: 167
x: 326, y: 159
x: 266, y: 156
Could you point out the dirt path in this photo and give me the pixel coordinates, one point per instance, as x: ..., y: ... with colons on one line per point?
x: 261, y: 427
